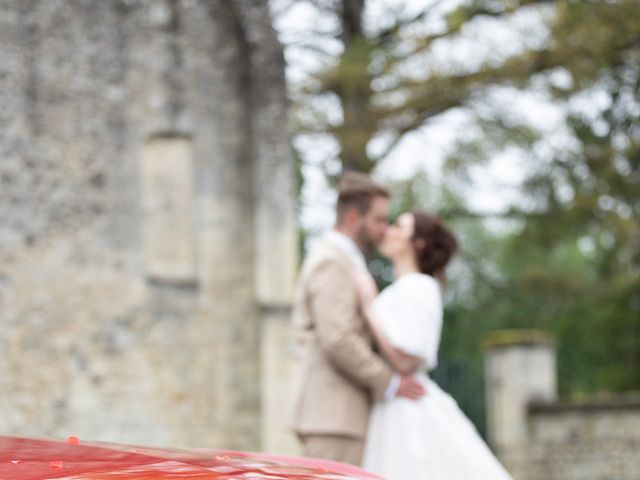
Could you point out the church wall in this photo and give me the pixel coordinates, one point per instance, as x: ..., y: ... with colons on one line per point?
x: 134, y: 146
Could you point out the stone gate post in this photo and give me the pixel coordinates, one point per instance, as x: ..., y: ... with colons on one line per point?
x: 520, y: 367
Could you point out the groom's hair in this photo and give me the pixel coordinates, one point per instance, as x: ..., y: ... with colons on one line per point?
x: 356, y: 191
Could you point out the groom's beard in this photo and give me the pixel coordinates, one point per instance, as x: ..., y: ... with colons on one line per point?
x: 366, y: 244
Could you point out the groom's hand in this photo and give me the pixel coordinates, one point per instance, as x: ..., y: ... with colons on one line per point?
x: 410, y: 388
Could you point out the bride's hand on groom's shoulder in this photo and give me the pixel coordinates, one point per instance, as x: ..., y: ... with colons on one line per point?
x: 366, y: 288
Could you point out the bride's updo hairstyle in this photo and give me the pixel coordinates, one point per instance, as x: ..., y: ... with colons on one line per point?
x: 433, y: 243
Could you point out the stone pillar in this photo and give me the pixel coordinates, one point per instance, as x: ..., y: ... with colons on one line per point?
x: 520, y: 367
x: 275, y: 240
x: 276, y: 247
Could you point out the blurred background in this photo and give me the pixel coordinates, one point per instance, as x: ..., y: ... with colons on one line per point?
x: 165, y: 165
x: 518, y: 123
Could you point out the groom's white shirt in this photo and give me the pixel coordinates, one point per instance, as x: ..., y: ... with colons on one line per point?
x: 349, y: 248
x: 355, y: 256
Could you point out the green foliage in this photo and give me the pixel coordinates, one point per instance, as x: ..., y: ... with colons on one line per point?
x: 571, y: 264
x: 376, y: 87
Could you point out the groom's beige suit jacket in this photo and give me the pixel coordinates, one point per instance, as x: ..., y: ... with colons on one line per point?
x: 338, y: 373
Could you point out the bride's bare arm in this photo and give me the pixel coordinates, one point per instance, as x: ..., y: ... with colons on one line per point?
x: 400, y: 361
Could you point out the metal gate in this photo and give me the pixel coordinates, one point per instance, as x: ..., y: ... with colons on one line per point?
x: 466, y: 386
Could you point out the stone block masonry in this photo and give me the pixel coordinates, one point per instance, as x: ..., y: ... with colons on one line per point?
x: 541, y: 437
x: 146, y: 197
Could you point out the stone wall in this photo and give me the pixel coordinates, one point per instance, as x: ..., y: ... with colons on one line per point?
x: 147, y: 241
x: 585, y: 440
x: 592, y: 439
x: 540, y: 437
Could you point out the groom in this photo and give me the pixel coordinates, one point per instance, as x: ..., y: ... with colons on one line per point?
x: 339, y: 373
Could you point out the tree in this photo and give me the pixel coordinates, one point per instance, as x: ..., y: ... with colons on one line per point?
x: 572, y: 263
x: 380, y: 82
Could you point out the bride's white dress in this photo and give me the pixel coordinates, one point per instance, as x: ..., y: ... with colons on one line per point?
x: 428, y: 439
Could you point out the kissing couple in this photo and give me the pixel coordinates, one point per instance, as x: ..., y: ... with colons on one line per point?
x: 362, y: 394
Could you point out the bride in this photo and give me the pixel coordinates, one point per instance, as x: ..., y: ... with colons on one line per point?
x: 430, y: 438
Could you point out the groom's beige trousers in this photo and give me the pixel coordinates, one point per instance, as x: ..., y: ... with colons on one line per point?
x: 333, y: 447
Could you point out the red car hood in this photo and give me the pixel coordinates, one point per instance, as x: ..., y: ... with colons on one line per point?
x: 40, y: 459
